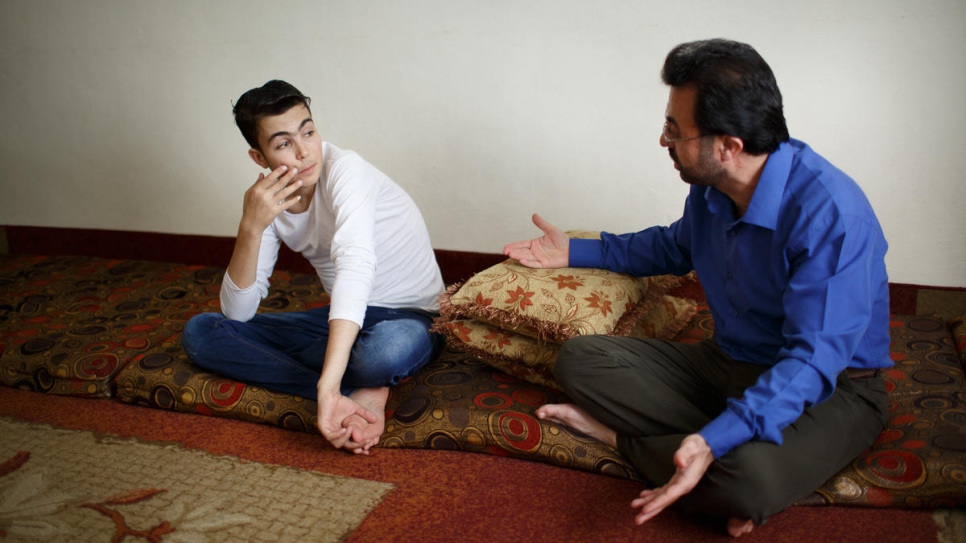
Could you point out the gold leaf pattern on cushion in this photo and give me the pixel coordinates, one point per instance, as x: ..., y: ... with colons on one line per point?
x: 533, y: 360
x: 518, y: 355
x: 554, y: 304
x: 666, y: 319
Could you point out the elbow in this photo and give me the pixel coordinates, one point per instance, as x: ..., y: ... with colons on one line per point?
x: 235, y: 315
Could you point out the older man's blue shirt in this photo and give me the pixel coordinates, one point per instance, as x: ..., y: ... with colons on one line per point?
x: 797, y: 283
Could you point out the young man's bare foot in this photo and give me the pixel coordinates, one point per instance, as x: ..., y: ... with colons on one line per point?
x: 738, y: 527
x: 365, y: 434
x: 574, y: 417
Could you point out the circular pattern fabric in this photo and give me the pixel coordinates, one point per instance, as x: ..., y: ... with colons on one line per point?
x: 71, y: 324
x: 919, y: 460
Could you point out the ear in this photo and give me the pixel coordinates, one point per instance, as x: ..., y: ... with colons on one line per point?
x: 730, y: 147
x: 258, y: 157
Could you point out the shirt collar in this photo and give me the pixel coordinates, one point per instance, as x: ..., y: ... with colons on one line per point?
x: 766, y: 201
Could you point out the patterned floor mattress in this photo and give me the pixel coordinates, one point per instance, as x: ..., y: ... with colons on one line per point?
x: 110, y: 330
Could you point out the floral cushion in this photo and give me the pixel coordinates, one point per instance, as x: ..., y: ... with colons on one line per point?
x: 533, y: 360
x: 554, y: 304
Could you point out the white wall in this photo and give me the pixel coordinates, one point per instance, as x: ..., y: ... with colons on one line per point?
x: 116, y: 113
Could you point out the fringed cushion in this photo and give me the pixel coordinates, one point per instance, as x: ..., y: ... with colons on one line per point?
x: 533, y: 360
x: 554, y: 304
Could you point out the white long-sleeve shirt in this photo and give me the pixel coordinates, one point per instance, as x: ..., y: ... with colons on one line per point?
x: 364, y: 236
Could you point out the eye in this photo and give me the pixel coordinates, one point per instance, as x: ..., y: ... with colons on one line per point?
x: 282, y: 145
x: 309, y: 133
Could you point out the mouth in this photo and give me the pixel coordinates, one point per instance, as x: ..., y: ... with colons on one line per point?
x: 307, y: 171
x: 674, y: 159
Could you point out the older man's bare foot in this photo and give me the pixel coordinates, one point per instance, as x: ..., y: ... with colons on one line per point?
x: 366, y: 434
x: 574, y: 417
x: 738, y: 527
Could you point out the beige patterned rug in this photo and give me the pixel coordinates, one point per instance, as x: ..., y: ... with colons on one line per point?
x: 69, y: 485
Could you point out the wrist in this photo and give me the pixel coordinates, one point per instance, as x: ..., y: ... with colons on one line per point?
x: 327, y: 389
x: 248, y: 229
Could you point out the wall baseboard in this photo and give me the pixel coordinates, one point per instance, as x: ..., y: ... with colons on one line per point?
x: 455, y: 266
x: 188, y: 249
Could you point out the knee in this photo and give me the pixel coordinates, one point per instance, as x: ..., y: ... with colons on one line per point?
x: 196, y: 330
x: 393, y: 350
x: 745, y: 487
x: 575, y: 357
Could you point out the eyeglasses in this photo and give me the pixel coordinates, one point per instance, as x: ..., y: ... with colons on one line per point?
x: 668, y: 139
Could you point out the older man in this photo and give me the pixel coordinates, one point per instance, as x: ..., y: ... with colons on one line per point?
x: 791, y: 257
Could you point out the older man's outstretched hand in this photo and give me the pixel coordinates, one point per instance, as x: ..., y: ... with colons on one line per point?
x: 551, y: 250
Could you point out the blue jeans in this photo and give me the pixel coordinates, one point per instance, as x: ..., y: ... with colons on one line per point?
x: 285, y: 351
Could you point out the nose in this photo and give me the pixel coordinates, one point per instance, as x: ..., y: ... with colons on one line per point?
x: 662, y: 141
x: 301, y: 150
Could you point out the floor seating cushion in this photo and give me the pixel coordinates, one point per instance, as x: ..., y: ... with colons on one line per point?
x: 54, y: 312
x: 919, y: 460
x: 456, y: 402
x: 68, y: 325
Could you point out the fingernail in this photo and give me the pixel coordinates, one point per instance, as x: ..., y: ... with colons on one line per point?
x: 299, y: 199
x: 284, y: 168
x: 295, y: 170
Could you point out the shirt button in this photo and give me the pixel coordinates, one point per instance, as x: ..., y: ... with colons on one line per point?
x: 734, y: 313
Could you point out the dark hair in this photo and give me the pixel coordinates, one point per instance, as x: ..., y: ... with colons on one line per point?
x: 272, y: 98
x: 737, y: 94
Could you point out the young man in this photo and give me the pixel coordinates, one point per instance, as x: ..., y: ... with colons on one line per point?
x: 791, y: 257
x: 367, y: 241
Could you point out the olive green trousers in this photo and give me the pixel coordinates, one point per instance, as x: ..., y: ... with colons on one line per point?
x: 653, y: 393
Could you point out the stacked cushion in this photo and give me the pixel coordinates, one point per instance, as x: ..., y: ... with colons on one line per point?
x: 515, y: 318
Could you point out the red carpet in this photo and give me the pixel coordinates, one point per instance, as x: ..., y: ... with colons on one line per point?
x: 445, y: 496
